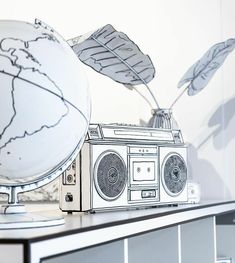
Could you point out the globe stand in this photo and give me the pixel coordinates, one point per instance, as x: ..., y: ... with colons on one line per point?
x: 29, y: 220
x: 13, y: 215
x: 13, y: 206
x: 13, y: 209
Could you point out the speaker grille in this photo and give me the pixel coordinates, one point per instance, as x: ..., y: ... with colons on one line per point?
x: 110, y: 175
x: 174, y: 174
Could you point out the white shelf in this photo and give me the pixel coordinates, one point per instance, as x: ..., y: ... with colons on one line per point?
x: 130, y: 236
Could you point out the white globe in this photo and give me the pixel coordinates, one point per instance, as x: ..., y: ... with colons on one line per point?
x: 44, y: 101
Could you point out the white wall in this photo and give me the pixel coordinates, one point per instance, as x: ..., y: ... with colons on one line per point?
x: 175, y: 33
x: 228, y: 133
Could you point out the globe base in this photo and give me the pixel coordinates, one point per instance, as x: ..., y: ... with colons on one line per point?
x: 29, y: 220
x: 13, y: 209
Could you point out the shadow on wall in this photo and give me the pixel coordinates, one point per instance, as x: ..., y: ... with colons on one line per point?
x: 203, y: 172
x: 224, y: 119
x: 224, y: 133
x: 222, y: 122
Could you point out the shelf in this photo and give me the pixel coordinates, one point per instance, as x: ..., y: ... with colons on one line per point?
x: 120, y: 232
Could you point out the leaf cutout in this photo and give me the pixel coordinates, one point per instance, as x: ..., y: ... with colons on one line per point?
x: 113, y: 54
x: 200, y: 73
x: 78, y: 40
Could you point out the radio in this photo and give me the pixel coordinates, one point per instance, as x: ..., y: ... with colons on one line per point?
x: 122, y: 167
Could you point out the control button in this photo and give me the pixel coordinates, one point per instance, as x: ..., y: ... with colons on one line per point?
x: 69, y: 197
x: 69, y: 178
x: 148, y: 193
x: 74, y: 166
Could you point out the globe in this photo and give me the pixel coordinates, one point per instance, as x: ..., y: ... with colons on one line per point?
x: 44, y: 103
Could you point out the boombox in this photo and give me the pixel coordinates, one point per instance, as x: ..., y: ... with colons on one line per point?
x: 123, y: 166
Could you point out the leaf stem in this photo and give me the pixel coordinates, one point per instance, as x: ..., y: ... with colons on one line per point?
x: 130, y: 67
x: 150, y: 105
x: 180, y: 95
x: 152, y: 95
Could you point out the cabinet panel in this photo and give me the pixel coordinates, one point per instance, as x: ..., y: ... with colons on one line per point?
x: 225, y: 235
x: 112, y: 252
x: 11, y: 253
x: 159, y: 246
x: 198, y: 241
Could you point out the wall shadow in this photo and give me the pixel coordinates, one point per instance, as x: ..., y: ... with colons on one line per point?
x: 224, y: 119
x: 203, y: 172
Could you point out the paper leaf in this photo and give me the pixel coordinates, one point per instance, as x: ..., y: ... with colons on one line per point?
x: 200, y: 73
x: 113, y: 54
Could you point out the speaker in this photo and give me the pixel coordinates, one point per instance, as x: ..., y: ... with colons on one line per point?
x: 110, y: 175
x: 173, y: 174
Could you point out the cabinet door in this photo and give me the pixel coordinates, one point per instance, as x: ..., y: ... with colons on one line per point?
x: 11, y: 253
x: 225, y: 236
x: 226, y: 241
x: 112, y: 252
x: 160, y: 246
x: 198, y: 241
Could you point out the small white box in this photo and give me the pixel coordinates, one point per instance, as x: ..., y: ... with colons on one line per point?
x: 194, y: 193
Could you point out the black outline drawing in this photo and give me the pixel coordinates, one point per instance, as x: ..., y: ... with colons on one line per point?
x: 201, y: 72
x: 120, y: 51
x: 10, y: 54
